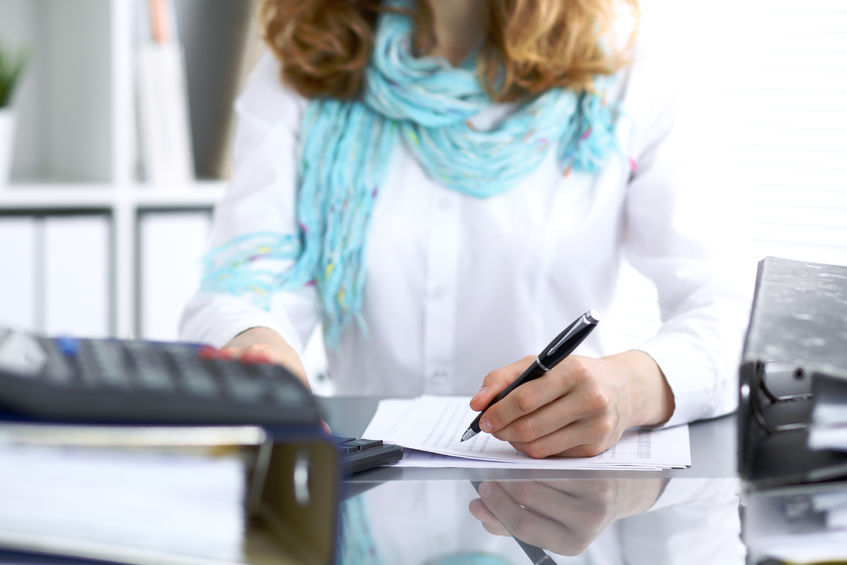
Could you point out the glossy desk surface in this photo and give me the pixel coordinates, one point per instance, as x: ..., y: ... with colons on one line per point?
x: 497, y: 516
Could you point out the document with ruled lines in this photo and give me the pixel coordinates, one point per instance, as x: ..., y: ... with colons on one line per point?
x: 429, y: 428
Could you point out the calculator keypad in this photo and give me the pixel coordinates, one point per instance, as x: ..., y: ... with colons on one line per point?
x: 139, y: 381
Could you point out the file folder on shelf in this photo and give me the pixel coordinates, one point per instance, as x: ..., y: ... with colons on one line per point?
x: 797, y: 334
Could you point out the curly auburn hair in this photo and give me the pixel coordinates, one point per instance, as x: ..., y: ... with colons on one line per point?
x: 530, y: 47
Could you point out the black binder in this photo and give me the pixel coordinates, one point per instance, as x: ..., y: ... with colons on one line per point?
x: 797, y: 334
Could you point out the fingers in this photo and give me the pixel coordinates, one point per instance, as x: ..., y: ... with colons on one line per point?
x: 497, y: 380
x: 583, y: 438
x: 250, y: 354
x: 583, y: 506
x: 489, y: 521
x: 603, y: 490
x: 534, y: 395
x: 572, y: 410
x: 261, y: 345
x: 259, y: 353
x: 256, y: 353
x: 536, y: 424
x: 541, y: 514
x: 542, y: 498
x: 522, y: 521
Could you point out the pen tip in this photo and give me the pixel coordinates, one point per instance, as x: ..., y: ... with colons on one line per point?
x: 468, y: 434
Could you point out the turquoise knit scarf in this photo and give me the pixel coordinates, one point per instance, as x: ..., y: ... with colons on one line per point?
x: 345, y: 149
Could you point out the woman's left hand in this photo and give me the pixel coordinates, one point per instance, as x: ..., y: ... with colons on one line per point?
x: 579, y: 408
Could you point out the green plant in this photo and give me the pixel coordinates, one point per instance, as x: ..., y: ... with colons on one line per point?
x: 11, y: 66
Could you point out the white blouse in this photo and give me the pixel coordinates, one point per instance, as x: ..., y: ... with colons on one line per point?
x: 457, y: 286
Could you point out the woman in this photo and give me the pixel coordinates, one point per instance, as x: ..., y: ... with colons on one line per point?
x: 445, y: 185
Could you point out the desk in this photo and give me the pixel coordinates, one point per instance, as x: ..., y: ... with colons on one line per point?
x: 408, y: 515
x: 394, y: 516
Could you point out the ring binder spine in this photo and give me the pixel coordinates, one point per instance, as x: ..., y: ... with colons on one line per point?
x: 795, y: 308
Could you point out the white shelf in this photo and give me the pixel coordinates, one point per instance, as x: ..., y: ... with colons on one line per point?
x: 201, y: 194
x: 53, y: 197
x: 75, y: 154
x: 125, y: 205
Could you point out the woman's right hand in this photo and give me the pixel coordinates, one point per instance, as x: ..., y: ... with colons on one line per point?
x: 264, y: 345
x: 564, y: 516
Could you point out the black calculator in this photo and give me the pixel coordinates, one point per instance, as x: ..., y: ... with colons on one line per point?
x: 70, y: 379
x: 363, y: 454
x: 137, y: 382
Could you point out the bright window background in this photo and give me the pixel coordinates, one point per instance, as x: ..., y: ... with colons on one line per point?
x: 763, y: 86
x: 786, y: 101
x: 791, y: 142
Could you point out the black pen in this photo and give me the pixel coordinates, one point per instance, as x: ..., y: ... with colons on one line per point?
x: 556, y: 350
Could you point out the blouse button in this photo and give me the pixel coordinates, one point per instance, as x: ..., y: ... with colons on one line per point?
x: 439, y: 374
x: 438, y: 292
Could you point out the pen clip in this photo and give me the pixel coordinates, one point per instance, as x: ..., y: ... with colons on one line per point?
x: 580, y: 326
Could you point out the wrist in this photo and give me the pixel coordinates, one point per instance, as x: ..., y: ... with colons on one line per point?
x: 257, y: 330
x: 639, y: 495
x: 650, y: 397
x: 263, y: 334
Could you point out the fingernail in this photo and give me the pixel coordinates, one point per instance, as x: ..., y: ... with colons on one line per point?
x: 485, y: 490
x: 480, y: 391
x: 258, y: 358
x: 209, y: 352
x: 485, y: 425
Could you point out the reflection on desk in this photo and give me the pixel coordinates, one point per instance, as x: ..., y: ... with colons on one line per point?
x: 796, y: 524
x: 649, y: 520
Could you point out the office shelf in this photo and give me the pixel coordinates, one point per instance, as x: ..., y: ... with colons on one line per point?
x: 76, y: 158
x: 34, y: 197
x: 201, y: 194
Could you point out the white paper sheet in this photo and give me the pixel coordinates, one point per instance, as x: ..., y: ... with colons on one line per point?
x: 828, y: 429
x: 432, y: 426
x: 828, y: 437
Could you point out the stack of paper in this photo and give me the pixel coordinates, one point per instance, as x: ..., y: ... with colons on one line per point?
x: 828, y: 429
x: 143, y: 506
x: 429, y: 427
x: 834, y: 505
x: 788, y: 526
x: 170, y: 495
